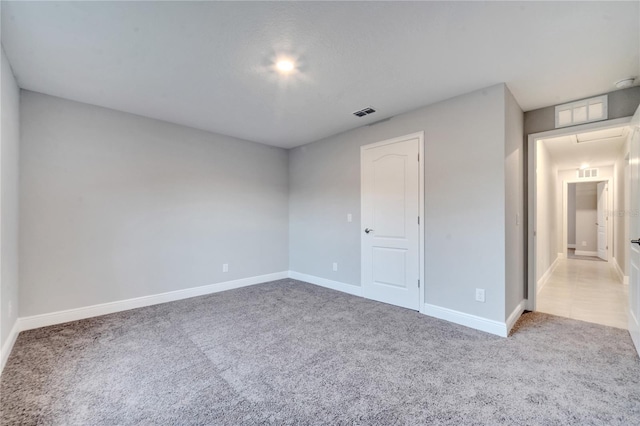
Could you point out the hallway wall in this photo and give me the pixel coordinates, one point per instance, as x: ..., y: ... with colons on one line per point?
x: 620, y: 233
x: 571, y: 215
x: 547, y: 220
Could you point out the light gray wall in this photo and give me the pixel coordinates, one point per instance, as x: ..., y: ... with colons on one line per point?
x: 571, y: 213
x: 622, y: 103
x: 464, y: 201
x: 547, y: 228
x: 586, y: 216
x: 115, y: 206
x: 10, y: 136
x: 514, y: 202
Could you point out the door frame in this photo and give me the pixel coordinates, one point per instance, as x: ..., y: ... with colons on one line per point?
x: 532, y: 145
x: 565, y: 213
x: 421, y: 226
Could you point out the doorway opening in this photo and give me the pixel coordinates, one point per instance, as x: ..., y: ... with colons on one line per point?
x: 578, y: 248
x: 586, y: 220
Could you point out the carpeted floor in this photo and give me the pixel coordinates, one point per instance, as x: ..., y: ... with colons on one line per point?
x: 287, y: 352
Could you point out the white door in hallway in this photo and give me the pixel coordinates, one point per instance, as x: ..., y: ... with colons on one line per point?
x: 601, y: 223
x: 634, y: 231
x: 390, y: 244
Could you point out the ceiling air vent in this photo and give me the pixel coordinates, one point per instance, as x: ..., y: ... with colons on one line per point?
x: 364, y: 111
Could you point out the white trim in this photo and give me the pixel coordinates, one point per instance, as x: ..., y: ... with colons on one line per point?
x: 561, y: 256
x: 634, y: 326
x: 483, y: 324
x: 423, y: 221
x: 571, y: 246
x: 586, y: 253
x: 8, y: 345
x: 323, y: 282
x: 515, y: 315
x: 532, y: 188
x: 490, y: 326
x: 545, y: 277
x: 43, y: 320
x: 421, y: 226
x: 621, y: 276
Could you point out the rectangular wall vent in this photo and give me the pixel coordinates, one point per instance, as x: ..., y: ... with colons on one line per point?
x: 584, y: 111
x: 587, y: 173
x: 364, y: 111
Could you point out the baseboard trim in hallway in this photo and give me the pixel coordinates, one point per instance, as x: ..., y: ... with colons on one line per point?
x: 545, y: 277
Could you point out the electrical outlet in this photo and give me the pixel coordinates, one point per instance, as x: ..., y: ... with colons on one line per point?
x: 335, y: 266
x: 9, y: 309
x: 480, y: 294
x: 225, y: 267
x: 349, y: 217
x: 584, y: 244
x: 517, y: 218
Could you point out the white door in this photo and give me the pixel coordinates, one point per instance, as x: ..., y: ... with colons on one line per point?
x: 634, y: 231
x: 390, y: 229
x: 602, y: 220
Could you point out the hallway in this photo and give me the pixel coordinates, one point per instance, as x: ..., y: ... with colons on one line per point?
x: 585, y: 290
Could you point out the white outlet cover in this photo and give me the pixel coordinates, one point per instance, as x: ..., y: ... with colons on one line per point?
x: 225, y: 267
x: 335, y: 266
x: 349, y: 217
x: 480, y: 294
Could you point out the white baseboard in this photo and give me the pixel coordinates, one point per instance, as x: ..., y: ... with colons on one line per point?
x: 586, y: 253
x: 43, y: 320
x: 323, y: 282
x: 545, y: 277
x: 483, y: 324
x: 571, y: 246
x: 5, y: 351
x: 461, y: 318
x: 624, y: 279
x: 511, y: 320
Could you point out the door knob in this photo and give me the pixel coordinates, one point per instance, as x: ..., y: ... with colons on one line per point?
x: 367, y: 230
x: 636, y: 241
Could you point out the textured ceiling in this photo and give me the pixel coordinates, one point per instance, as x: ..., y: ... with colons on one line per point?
x: 208, y: 65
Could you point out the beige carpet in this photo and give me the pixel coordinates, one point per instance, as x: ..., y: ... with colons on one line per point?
x: 287, y: 352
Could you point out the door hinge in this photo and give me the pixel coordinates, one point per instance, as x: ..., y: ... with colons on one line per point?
x: 418, y: 157
x: 418, y: 220
x: 418, y: 283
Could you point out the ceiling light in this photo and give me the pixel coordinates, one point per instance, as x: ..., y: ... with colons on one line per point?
x: 624, y: 83
x: 285, y: 66
x: 584, y: 166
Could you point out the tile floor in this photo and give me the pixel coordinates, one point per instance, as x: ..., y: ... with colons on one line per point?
x: 585, y: 290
